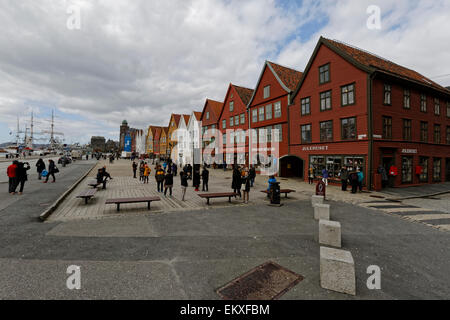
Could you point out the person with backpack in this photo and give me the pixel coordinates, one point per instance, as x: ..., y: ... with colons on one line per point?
x: 205, y: 178
x: 184, y: 184
x: 11, y: 171
x: 159, y: 176
x: 40, y: 167
x: 52, y: 169
x: 168, y: 182
x: 22, y: 175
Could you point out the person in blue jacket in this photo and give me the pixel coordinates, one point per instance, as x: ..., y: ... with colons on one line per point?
x: 360, y: 179
x: 271, y: 181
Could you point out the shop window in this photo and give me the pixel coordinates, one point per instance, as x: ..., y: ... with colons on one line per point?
x: 437, y: 133
x: 334, y: 165
x: 387, y: 94
x: 326, y: 131
x: 354, y: 163
x: 387, y: 127
x: 348, y: 95
x: 306, y: 133
x: 306, y: 106
x: 437, y: 166
x: 407, y: 169
x: 324, y: 74
x: 423, y: 131
x: 348, y: 129
x: 406, y: 129
x: 325, y: 101
x: 406, y: 99
x: 423, y: 162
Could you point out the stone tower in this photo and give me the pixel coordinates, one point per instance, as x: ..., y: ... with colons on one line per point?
x: 123, y: 132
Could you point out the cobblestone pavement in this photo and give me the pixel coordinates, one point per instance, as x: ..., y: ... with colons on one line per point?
x: 433, y: 212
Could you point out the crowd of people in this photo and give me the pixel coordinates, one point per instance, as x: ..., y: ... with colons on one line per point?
x: 354, y: 177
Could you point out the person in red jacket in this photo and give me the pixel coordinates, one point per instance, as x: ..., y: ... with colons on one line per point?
x: 12, y: 175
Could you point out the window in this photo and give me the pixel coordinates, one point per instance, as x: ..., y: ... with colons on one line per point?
x: 254, y: 115
x: 279, y: 137
x: 406, y: 99
x: 326, y: 131
x: 207, y: 117
x: 268, y: 112
x: 325, y: 101
x: 448, y: 135
x: 231, y: 106
x: 269, y: 134
x: 306, y: 134
x: 407, y: 169
x: 387, y: 94
x: 266, y: 92
x: 277, y: 109
x: 324, y: 74
x: 406, y: 129
x: 348, y: 95
x: 437, y: 107
x: 348, y: 129
x: 423, y: 103
x: 231, y: 121
x: 387, y: 127
x: 423, y: 162
x: 306, y: 106
x: 224, y: 123
x: 213, y: 126
x: 224, y: 137
x: 261, y: 113
x: 437, y: 133
x: 242, y: 118
x: 423, y: 131
x: 262, y: 135
x: 437, y: 169
x: 236, y: 120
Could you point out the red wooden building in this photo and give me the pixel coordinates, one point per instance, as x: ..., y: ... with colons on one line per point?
x: 268, y: 109
x: 233, y: 123
x: 210, y: 118
x: 357, y: 110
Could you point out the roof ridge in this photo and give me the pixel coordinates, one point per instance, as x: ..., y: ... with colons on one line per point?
x: 283, y: 66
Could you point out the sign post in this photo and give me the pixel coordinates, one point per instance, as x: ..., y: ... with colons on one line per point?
x: 320, y: 189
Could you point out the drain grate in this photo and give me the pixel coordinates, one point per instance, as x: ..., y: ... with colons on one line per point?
x: 268, y: 281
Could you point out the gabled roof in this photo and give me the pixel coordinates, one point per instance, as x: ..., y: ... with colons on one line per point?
x: 244, y: 93
x: 198, y: 115
x: 288, y: 78
x: 157, y: 132
x: 165, y: 130
x: 186, y: 118
x: 370, y: 63
x: 216, y: 107
x: 176, y: 117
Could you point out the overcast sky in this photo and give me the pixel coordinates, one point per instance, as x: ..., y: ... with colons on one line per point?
x: 141, y: 60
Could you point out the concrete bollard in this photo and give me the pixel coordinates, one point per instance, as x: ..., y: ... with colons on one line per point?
x: 330, y: 233
x: 337, y: 270
x: 322, y: 212
x: 316, y: 200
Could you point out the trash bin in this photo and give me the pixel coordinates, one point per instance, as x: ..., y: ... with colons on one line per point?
x: 275, y: 193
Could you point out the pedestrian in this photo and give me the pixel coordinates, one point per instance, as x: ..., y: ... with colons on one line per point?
x: 311, y: 175
x: 344, y: 178
x: 52, y: 169
x: 252, y: 175
x: 40, y: 166
x: 236, y: 181
x: 360, y: 179
x: 205, y: 178
x: 271, y: 181
x: 147, y: 171
x: 354, y: 181
x: 165, y: 165
x: 22, y: 175
x: 11, y: 171
x: 141, y: 171
x: 159, y: 176
x: 168, y: 182
x: 196, y: 177
x: 184, y: 184
x: 325, y: 176
x: 174, y: 169
x: 246, y: 184
x: 102, y: 177
x: 134, y: 166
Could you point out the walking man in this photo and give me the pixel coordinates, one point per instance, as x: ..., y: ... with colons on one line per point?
x: 344, y: 178
x: 159, y: 176
x: 252, y: 175
x: 134, y: 166
x: 168, y: 182
x: 205, y: 178
x: 52, y: 169
x: 184, y: 184
x: 22, y: 175
x: 12, y: 177
x: 40, y: 166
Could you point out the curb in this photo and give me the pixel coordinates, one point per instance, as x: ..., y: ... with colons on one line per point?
x: 418, y: 197
x: 44, y: 216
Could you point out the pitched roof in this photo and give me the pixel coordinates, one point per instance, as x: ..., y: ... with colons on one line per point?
x: 198, y: 115
x: 186, y: 118
x: 165, y: 130
x: 177, y: 118
x: 244, y: 93
x: 216, y: 107
x: 288, y: 76
x: 370, y: 60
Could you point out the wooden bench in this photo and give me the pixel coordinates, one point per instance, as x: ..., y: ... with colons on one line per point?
x: 87, y: 194
x: 285, y: 191
x: 118, y: 202
x: 208, y: 196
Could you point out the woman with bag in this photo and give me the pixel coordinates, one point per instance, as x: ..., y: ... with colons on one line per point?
x: 40, y: 167
x: 52, y: 169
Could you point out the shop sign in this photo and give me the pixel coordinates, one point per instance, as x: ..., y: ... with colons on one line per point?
x: 315, y: 148
x: 409, y: 151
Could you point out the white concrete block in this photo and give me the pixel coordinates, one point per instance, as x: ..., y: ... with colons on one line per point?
x: 337, y: 270
x: 322, y: 212
x: 330, y: 233
x: 316, y: 200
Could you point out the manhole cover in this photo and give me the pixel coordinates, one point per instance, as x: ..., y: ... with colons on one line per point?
x: 268, y: 281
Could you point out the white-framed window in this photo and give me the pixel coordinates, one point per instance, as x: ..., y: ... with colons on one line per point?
x: 268, y: 112
x: 224, y: 123
x: 207, y: 115
x: 231, y: 106
x: 231, y: 121
x: 255, y: 115
x: 261, y: 114
x: 236, y: 120
x: 262, y: 135
x: 224, y: 137
x: 277, y: 109
x: 279, y: 137
x: 242, y: 118
x: 269, y: 134
x: 266, y: 92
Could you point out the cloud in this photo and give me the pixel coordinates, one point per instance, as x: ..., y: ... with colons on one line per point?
x: 142, y: 60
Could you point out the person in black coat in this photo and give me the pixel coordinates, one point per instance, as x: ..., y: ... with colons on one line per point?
x: 51, y: 171
x: 205, y: 178
x: 196, y: 177
x: 252, y: 175
x: 22, y: 175
x: 236, y: 182
x: 40, y: 166
x: 168, y: 182
x: 102, y: 176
